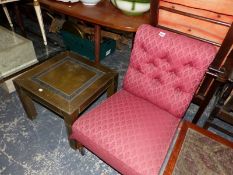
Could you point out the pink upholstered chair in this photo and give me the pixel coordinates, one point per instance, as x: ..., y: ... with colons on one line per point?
x: 132, y: 130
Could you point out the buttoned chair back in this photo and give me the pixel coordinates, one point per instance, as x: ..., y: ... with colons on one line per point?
x: 166, y: 68
x: 132, y: 130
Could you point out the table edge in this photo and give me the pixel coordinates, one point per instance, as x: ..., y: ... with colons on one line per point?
x: 185, y: 125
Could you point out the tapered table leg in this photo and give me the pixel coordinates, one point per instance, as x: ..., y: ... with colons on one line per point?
x: 40, y: 20
x: 97, y: 43
x: 7, y: 15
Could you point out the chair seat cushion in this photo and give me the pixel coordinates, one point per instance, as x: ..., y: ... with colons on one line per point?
x: 127, y: 132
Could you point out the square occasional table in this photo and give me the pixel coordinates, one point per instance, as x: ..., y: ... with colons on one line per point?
x: 66, y: 84
x: 199, y: 151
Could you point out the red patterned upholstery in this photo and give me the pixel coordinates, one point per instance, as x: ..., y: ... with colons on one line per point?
x: 128, y: 132
x: 166, y: 68
x: 132, y: 130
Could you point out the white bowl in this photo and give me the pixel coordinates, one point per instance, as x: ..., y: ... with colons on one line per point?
x: 132, y: 7
x: 90, y: 2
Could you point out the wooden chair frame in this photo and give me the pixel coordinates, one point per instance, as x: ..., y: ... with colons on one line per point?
x: 216, y: 74
x: 224, y: 105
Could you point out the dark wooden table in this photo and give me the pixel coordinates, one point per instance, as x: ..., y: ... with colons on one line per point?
x: 65, y: 84
x: 199, y: 151
x: 102, y: 14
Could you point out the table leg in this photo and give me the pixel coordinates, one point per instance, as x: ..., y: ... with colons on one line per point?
x: 26, y: 101
x: 40, y: 20
x: 113, y: 86
x: 7, y: 15
x: 97, y: 43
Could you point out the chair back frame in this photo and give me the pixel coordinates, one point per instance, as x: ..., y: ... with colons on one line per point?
x: 224, y: 106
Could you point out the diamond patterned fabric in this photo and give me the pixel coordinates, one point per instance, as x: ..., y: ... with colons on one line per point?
x: 128, y: 132
x: 133, y: 129
x: 166, y: 68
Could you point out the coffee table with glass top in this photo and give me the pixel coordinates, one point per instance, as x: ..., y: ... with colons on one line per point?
x: 66, y: 84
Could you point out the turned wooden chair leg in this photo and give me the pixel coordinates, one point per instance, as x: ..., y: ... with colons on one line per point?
x: 80, y: 148
x: 7, y: 15
x: 40, y: 20
x: 69, y: 120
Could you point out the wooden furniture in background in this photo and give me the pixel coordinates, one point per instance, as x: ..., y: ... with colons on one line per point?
x: 223, y: 110
x: 40, y: 20
x: 103, y: 14
x: 65, y: 84
x: 209, y: 21
x: 3, y: 2
x: 198, y: 151
x: 219, y: 10
x: 19, y: 18
x: 16, y: 12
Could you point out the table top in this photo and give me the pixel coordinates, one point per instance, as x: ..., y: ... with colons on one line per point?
x: 10, y: 39
x: 7, y: 1
x: 103, y: 14
x: 66, y: 82
x: 198, y: 151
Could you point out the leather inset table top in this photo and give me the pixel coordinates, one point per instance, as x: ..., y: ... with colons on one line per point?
x: 66, y: 83
x: 68, y: 77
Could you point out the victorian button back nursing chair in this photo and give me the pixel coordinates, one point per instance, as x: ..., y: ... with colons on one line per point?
x: 132, y: 130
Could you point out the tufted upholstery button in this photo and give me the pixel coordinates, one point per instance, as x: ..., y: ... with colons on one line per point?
x: 173, y: 71
x: 165, y: 59
x: 190, y: 64
x: 151, y: 61
x: 143, y: 47
x: 137, y: 68
x: 158, y: 79
x: 180, y: 89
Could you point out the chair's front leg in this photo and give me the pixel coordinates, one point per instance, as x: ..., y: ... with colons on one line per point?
x: 40, y: 20
x: 69, y: 120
